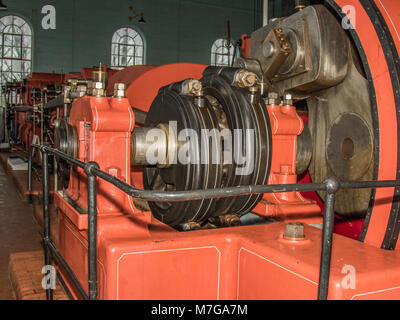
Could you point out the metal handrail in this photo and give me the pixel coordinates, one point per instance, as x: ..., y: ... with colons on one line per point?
x: 92, y: 170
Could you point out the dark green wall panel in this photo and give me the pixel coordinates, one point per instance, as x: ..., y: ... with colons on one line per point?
x: 176, y: 30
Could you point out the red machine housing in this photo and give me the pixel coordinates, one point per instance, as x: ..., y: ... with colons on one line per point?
x: 141, y: 258
x: 36, y: 87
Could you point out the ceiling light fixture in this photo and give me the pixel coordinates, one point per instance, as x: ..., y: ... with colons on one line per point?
x: 136, y: 15
x: 3, y: 7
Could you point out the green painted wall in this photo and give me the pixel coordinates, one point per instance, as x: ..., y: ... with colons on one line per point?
x: 176, y: 30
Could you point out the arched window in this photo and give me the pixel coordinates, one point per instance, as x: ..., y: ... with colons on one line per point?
x: 126, y: 48
x: 16, y: 48
x: 221, y: 53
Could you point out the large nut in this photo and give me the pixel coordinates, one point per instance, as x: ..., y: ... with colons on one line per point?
x: 120, y: 90
x: 272, y: 98
x: 99, y: 89
x: 192, y: 87
x: 288, y: 100
x: 245, y: 79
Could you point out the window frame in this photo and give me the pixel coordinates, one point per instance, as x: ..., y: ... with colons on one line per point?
x: 117, y: 46
x: 216, y: 47
x: 20, y: 73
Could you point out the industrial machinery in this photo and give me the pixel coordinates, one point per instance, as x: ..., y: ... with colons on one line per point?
x: 23, y: 119
x: 208, y: 128
x: 32, y: 106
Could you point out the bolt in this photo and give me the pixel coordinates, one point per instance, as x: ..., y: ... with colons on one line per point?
x: 294, y: 231
x: 192, y: 87
x: 196, y: 86
x: 245, y: 79
x: 119, y: 90
x: 272, y: 97
x: 189, y: 226
x: 253, y: 90
x: 287, y: 100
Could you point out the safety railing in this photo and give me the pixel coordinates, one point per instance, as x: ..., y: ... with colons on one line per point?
x: 92, y: 170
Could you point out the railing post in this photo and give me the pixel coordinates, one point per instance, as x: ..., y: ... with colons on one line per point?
x: 46, y: 217
x: 332, y: 186
x: 30, y: 168
x: 92, y: 229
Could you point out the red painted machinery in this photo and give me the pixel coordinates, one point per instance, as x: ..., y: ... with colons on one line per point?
x: 23, y: 99
x: 214, y: 127
x: 33, y: 105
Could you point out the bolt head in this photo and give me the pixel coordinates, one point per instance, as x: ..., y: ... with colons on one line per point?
x: 288, y: 97
x: 272, y: 95
x: 98, y: 85
x: 119, y: 86
x: 268, y: 49
x: 196, y: 85
x: 119, y: 90
x: 245, y: 79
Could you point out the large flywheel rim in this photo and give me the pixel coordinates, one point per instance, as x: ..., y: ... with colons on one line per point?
x: 381, y: 226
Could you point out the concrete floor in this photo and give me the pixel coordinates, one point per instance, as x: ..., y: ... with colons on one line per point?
x: 18, y: 230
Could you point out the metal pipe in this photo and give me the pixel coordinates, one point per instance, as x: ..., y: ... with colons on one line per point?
x: 332, y: 186
x: 42, y: 102
x: 54, y: 103
x: 46, y: 217
x: 265, y: 15
x: 178, y: 196
x: 92, y: 230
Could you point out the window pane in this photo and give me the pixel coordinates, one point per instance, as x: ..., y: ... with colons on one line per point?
x: 17, y: 66
x: 138, y: 61
x: 26, y: 67
x: 7, y: 40
x: 26, y: 41
x: 6, y: 65
x: 114, y: 60
x: 26, y: 53
x: 7, y: 52
x: 130, y: 51
x: 139, y: 51
x: 130, y: 61
x: 122, y: 61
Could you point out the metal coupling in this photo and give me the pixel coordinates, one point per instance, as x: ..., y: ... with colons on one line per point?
x: 332, y: 185
x: 90, y: 166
